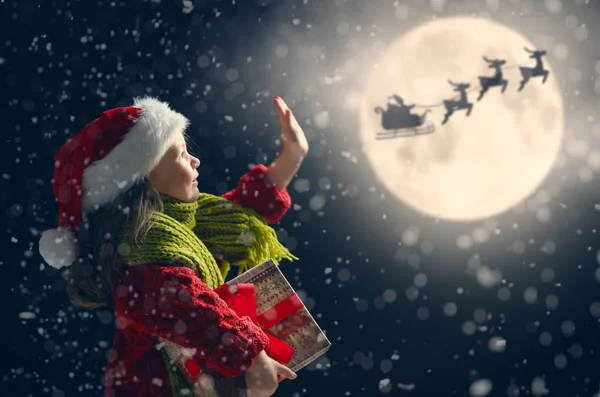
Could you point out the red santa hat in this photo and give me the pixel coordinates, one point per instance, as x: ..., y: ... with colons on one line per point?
x: 102, y: 161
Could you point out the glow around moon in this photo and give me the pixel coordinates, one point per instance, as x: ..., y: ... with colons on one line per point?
x: 472, y: 167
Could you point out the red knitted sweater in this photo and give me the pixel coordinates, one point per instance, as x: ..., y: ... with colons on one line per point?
x: 172, y: 302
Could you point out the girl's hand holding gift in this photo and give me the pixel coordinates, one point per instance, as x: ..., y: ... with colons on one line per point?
x: 262, y: 378
x: 295, y: 147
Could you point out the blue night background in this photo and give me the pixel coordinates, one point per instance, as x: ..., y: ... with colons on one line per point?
x: 490, y: 300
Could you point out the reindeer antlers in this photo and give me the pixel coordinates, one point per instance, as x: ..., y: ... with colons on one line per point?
x: 487, y: 60
x: 528, y: 50
x: 451, y: 83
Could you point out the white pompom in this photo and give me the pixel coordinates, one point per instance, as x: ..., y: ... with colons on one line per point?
x: 58, y: 248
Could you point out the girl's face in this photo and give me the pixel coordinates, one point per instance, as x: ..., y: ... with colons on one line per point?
x: 175, y: 175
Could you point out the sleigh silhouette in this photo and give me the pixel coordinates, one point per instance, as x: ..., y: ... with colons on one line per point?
x: 399, y: 122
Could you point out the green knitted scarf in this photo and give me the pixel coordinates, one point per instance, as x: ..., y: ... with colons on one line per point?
x: 193, y: 234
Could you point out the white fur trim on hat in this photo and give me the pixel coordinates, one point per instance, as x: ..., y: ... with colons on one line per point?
x: 58, y: 247
x: 135, y: 156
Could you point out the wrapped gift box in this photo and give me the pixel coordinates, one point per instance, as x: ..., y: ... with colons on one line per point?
x: 296, y: 338
x: 275, y: 297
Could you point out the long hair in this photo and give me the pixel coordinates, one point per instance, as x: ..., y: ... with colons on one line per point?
x: 93, y: 275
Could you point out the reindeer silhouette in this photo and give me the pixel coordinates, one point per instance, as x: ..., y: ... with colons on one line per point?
x: 537, y: 70
x: 461, y: 103
x: 495, y: 80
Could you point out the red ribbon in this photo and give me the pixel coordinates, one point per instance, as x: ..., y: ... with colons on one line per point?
x: 241, y: 298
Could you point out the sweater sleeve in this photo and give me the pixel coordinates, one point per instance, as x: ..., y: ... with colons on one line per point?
x: 253, y: 192
x: 173, y: 303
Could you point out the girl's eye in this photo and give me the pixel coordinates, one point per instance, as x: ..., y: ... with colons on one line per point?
x: 182, y: 154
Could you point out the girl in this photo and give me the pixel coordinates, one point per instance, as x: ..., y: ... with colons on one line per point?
x: 134, y: 227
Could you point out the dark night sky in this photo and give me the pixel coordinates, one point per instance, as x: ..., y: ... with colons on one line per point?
x: 383, y: 303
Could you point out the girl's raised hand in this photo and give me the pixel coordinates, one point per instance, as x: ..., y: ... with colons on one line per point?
x: 292, y: 135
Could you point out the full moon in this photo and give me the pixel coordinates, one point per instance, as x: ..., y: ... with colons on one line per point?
x: 470, y: 167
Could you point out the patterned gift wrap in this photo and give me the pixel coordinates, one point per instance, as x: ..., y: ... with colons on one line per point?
x: 275, y: 298
x: 280, y: 313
